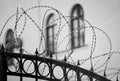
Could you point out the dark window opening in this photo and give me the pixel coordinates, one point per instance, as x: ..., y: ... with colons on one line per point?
x: 50, y: 33
x: 77, y: 27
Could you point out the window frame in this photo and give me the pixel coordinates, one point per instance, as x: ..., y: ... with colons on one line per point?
x: 78, y: 11
x: 49, y: 27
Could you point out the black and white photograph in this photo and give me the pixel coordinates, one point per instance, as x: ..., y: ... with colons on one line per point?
x: 59, y: 40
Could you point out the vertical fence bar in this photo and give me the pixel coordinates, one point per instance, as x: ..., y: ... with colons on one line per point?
x: 65, y: 74
x: 78, y: 75
x: 91, y: 79
x: 36, y: 66
x: 65, y: 71
x: 21, y: 79
x: 3, y: 65
x: 51, y: 70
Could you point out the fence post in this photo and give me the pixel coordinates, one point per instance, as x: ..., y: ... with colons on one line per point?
x: 36, y: 65
x: 3, y: 65
x: 21, y: 66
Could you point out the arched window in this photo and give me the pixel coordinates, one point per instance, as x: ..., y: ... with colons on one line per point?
x: 77, y: 27
x: 50, y: 32
x: 11, y: 43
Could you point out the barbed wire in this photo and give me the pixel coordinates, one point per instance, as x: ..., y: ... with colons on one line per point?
x: 60, y: 28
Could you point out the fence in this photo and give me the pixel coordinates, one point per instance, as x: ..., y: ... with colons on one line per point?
x: 49, y: 63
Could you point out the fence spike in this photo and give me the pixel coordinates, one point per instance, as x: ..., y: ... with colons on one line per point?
x: 36, y: 52
x: 78, y: 63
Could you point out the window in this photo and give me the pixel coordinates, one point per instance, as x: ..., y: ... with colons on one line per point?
x: 11, y: 43
x: 77, y: 27
x: 50, y: 34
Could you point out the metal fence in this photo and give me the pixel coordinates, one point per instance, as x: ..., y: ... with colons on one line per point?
x: 48, y: 72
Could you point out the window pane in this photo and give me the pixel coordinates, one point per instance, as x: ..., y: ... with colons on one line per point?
x: 51, y: 39
x: 75, y: 24
x: 82, y: 39
x: 81, y: 23
x: 76, y: 42
x: 82, y: 32
x: 76, y: 34
x: 51, y: 48
x: 50, y: 32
